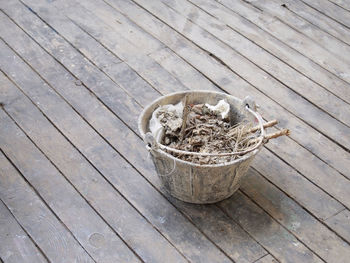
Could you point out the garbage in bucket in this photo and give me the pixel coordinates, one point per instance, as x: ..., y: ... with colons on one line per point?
x: 203, y: 164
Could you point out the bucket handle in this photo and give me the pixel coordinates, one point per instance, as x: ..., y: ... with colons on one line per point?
x: 248, y: 105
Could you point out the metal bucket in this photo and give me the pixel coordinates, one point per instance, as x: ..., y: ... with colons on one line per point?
x: 194, y: 183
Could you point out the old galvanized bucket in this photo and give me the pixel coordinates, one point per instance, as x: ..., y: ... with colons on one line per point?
x: 194, y: 183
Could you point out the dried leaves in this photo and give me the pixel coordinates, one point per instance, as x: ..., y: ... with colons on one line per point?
x: 204, y: 131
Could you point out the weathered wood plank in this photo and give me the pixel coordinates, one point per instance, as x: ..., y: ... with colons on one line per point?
x: 242, y: 252
x: 32, y: 213
x: 327, y: 41
x: 156, y: 8
x: 278, y: 241
x: 134, y: 187
x: 312, y: 168
x: 227, y: 80
x: 78, y: 64
x: 291, y: 78
x: 144, y: 42
x: 246, y: 251
x: 341, y: 224
x: 292, y: 37
x: 267, y: 259
x: 331, y: 10
x: 264, y: 39
x: 84, y: 223
x: 118, y: 71
x: 311, y: 232
x: 61, y: 109
x: 336, y: 190
x: 151, y: 71
x: 322, y: 213
x: 130, y: 225
x: 316, y: 18
x: 297, y: 185
x: 294, y: 103
x: 188, y: 75
x: 16, y: 245
x: 294, y: 184
x: 342, y: 4
x: 332, y: 211
x: 301, y: 185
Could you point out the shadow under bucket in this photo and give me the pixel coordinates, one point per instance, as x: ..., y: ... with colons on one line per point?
x: 195, y: 183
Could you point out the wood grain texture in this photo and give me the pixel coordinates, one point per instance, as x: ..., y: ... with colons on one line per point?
x: 241, y: 252
x: 331, y: 10
x: 341, y: 224
x: 266, y: 259
x: 126, y: 180
x: 76, y: 75
x: 86, y: 226
x: 276, y: 68
x: 344, y: 4
x: 316, y: 18
x: 321, y: 210
x: 32, y: 213
x: 311, y: 232
x: 282, y: 51
x: 76, y: 63
x: 228, y: 81
x: 295, y: 39
x: 238, y: 63
x: 333, y: 45
x: 130, y: 225
x: 16, y: 245
x: 278, y: 241
x: 339, y: 177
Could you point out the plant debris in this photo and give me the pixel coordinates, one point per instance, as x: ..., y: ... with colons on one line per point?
x: 206, y: 129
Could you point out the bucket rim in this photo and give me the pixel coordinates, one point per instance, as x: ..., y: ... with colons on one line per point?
x: 161, y: 152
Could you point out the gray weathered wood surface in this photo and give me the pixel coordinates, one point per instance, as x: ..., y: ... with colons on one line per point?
x: 76, y: 183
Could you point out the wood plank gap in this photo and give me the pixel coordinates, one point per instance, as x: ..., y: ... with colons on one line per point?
x: 54, y: 125
x: 323, y: 221
x: 107, y: 48
x: 264, y: 38
x: 284, y: 258
x: 38, y: 257
x: 285, y: 228
x: 315, y: 25
x: 339, y: 3
x: 272, y: 53
x: 332, y: 139
x: 92, y: 62
x: 267, y: 259
x: 308, y: 150
x: 45, y: 203
x: 341, y: 223
x: 59, y: 170
x: 325, y: 14
x: 91, y: 91
x: 341, y: 48
x: 282, y: 82
x: 326, y: 66
x: 123, y: 157
x: 131, y: 164
x: 300, y: 172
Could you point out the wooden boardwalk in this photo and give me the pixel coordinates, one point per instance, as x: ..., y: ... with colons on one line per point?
x: 76, y: 182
